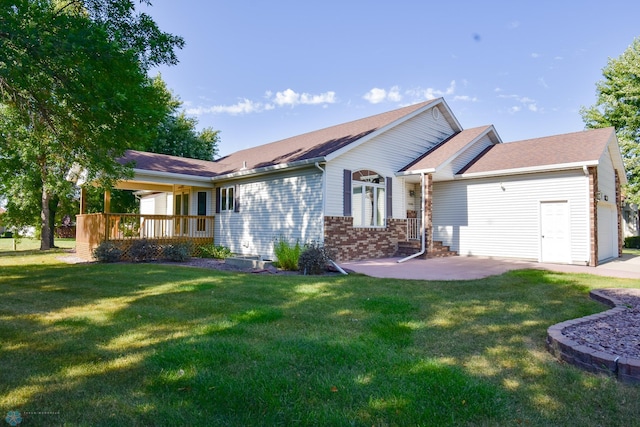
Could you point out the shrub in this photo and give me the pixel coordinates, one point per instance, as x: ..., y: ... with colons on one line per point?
x: 7, y: 235
x: 143, y: 250
x: 314, y: 259
x: 287, y: 254
x: 178, y: 252
x: 107, y: 252
x: 215, y: 251
x: 632, y: 242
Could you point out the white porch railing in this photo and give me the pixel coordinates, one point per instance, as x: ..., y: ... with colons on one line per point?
x: 413, y: 228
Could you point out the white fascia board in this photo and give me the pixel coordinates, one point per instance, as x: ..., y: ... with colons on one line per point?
x: 533, y: 169
x: 415, y: 172
x: 268, y: 169
x: 169, y: 178
x: 391, y: 125
x: 613, y: 149
x: 463, y: 149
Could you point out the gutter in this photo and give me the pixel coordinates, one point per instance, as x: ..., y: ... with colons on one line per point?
x: 267, y: 169
x: 532, y: 169
x: 422, y: 230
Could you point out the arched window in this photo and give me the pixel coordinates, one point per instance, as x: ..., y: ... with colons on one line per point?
x: 368, y: 198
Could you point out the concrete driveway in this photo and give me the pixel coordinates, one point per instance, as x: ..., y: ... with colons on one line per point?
x: 467, y: 268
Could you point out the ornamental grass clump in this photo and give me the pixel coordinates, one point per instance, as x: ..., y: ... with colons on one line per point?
x: 287, y: 254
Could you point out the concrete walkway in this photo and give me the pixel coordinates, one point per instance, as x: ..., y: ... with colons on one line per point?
x: 467, y: 268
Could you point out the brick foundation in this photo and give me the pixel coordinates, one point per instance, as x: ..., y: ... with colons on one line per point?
x: 359, y: 243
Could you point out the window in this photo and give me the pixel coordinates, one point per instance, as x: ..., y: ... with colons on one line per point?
x: 227, y: 199
x: 368, y: 199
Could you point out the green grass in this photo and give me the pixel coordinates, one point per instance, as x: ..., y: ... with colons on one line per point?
x: 148, y: 344
x: 27, y: 244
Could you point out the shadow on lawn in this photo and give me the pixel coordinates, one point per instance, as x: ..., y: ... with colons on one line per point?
x: 152, y: 344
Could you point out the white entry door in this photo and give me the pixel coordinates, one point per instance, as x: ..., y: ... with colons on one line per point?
x: 555, y: 239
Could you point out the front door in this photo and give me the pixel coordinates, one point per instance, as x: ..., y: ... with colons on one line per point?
x: 555, y: 232
x: 182, y: 210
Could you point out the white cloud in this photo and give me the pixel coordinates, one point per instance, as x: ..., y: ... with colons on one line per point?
x: 535, y: 55
x: 280, y: 99
x: 375, y: 95
x: 394, y: 94
x: 244, y: 106
x: 525, y: 102
x: 431, y: 93
x: 465, y: 98
x: 292, y: 98
x: 542, y: 82
x: 513, y: 25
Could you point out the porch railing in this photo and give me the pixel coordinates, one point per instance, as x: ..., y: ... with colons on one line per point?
x: 136, y: 226
x: 413, y: 228
x: 93, y: 229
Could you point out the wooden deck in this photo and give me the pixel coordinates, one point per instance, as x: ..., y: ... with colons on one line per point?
x: 93, y: 229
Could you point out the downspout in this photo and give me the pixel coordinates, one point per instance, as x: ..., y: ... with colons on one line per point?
x: 324, y: 201
x: 422, y: 230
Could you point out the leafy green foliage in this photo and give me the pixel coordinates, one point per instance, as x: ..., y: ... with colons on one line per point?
x: 215, y: 251
x: 74, y: 90
x: 617, y: 105
x: 287, y: 254
x: 632, y: 242
x: 143, y: 250
x: 177, y: 135
x: 107, y: 252
x: 177, y: 252
x: 314, y: 259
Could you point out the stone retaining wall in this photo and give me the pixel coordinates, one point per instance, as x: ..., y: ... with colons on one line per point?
x: 626, y: 369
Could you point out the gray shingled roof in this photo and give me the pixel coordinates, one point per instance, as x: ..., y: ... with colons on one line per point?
x: 308, y: 146
x: 577, y: 147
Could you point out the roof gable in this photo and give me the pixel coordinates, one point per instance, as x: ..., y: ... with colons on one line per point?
x: 313, y: 145
x: 445, y: 152
x: 553, y: 152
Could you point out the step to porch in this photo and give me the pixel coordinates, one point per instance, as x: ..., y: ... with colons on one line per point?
x: 411, y: 247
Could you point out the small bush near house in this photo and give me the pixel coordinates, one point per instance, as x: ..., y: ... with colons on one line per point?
x: 314, y: 259
x: 143, y: 250
x: 632, y: 242
x: 7, y: 235
x: 215, y: 251
x: 107, y: 252
x: 178, y: 252
x: 287, y: 254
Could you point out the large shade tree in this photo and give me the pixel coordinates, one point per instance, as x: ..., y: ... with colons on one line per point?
x: 618, y: 105
x: 74, y: 89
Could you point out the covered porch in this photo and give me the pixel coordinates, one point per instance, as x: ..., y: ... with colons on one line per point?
x: 185, y: 216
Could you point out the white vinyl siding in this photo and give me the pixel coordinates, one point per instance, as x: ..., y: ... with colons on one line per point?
x: 286, y: 204
x: 386, y: 154
x: 500, y: 217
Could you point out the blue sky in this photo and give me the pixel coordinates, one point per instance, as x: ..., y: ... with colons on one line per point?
x: 264, y: 71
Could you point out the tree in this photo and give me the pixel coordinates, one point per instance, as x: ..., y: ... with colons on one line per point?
x: 177, y: 135
x: 618, y: 105
x: 74, y: 89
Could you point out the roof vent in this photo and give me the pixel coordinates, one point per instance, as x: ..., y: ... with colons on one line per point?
x: 244, y: 164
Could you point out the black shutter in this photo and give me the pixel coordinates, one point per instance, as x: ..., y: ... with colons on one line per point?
x: 389, y: 197
x: 217, y: 201
x: 236, y: 201
x: 346, y: 193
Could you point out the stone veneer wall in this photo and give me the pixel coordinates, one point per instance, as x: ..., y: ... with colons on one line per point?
x: 359, y: 243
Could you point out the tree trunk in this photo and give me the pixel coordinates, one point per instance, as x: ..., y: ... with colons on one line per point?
x: 53, y: 209
x: 45, y: 214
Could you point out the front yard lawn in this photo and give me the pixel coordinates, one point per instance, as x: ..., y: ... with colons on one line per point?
x: 151, y: 344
